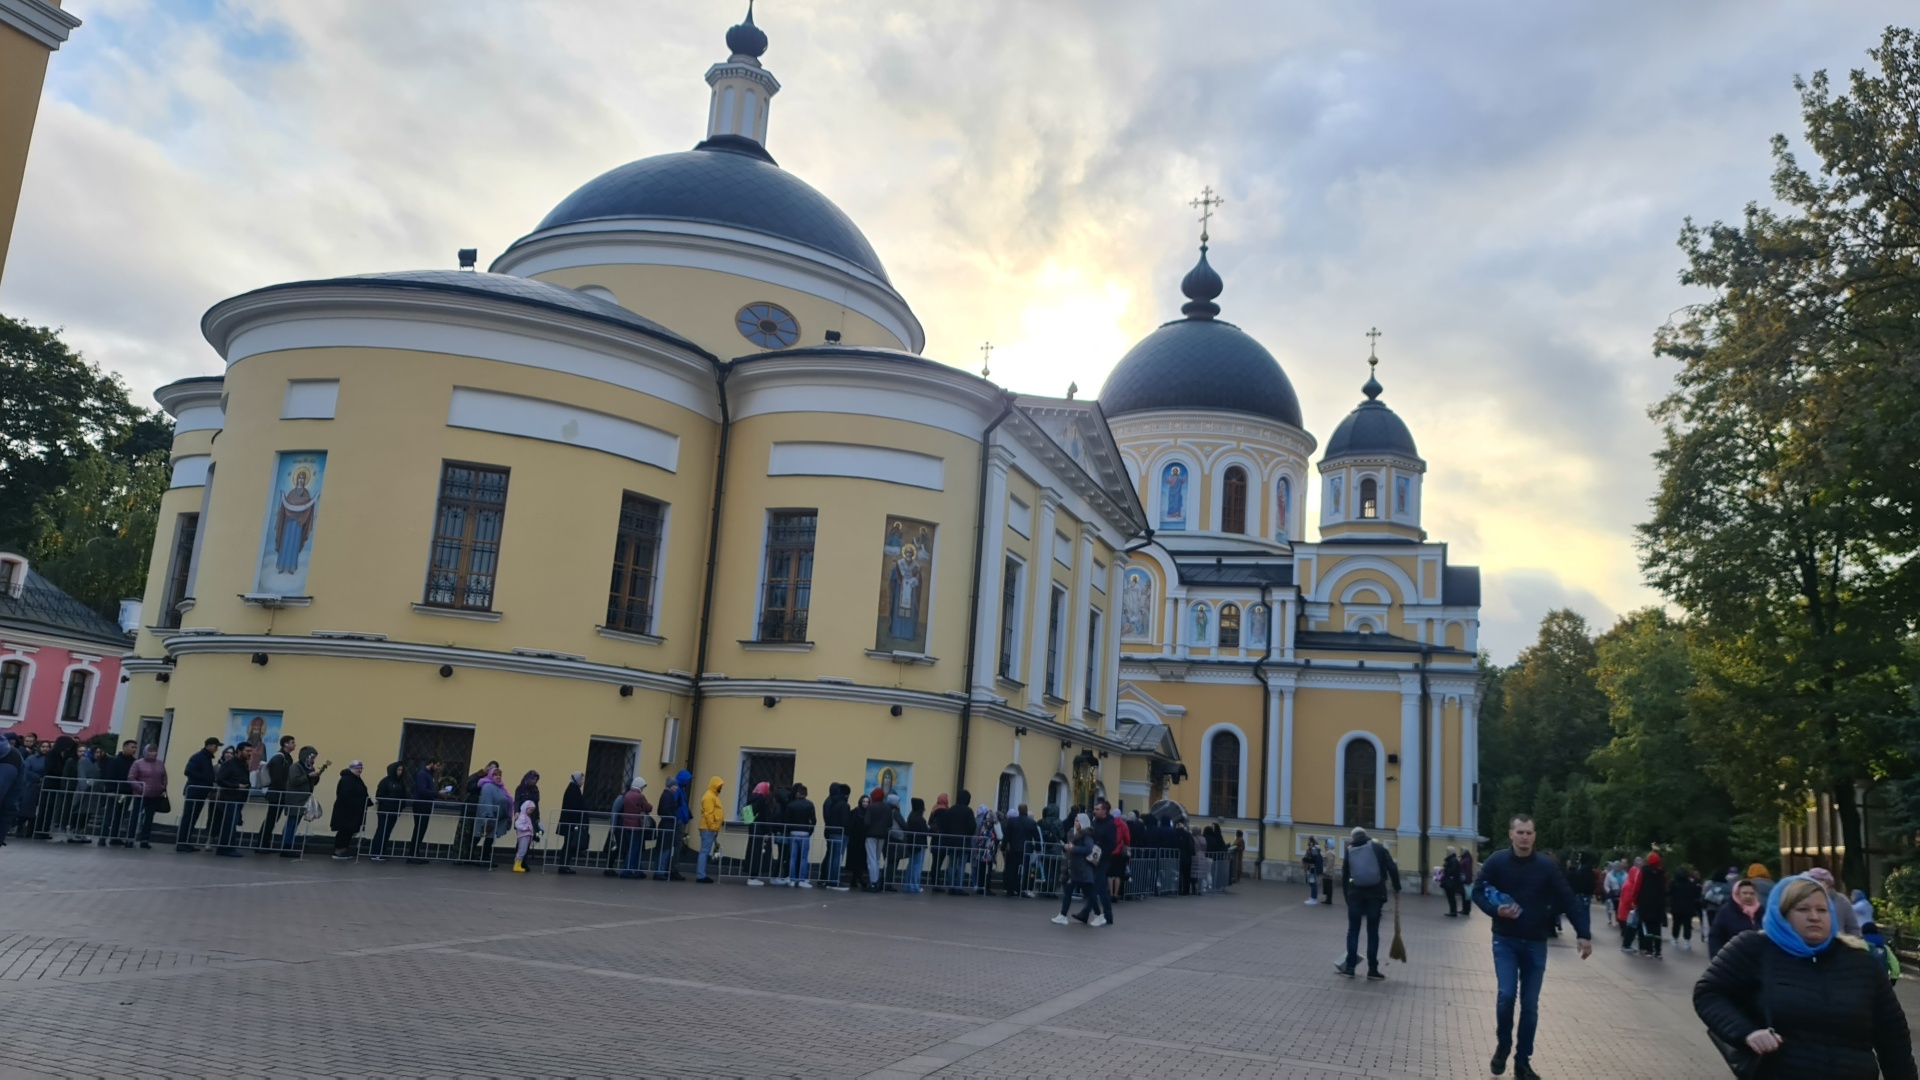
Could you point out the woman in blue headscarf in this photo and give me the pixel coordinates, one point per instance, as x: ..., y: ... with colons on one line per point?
x: 1803, y: 998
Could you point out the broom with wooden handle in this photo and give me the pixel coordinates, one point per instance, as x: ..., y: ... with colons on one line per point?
x: 1398, y: 950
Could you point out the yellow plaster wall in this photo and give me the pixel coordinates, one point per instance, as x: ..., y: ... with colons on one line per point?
x: 1208, y: 704
x: 374, y: 525
x: 701, y: 305
x: 847, y: 572
x: 1450, y: 794
x: 1321, y: 718
x: 23, y: 70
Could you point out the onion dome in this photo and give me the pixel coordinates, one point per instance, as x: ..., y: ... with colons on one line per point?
x: 1201, y: 362
x: 747, y: 39
x: 1372, y: 429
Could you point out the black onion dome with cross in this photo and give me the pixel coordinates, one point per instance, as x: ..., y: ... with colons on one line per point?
x: 1371, y: 429
x: 1201, y: 361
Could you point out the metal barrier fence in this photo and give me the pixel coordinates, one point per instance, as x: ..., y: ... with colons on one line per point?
x: 759, y: 854
x: 117, y: 813
x: 422, y: 831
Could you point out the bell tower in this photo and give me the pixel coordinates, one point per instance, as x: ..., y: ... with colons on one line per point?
x: 742, y: 89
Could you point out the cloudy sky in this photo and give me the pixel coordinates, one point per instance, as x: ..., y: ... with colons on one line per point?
x: 1497, y: 186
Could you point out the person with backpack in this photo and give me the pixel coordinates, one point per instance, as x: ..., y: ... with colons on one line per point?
x: 1518, y: 888
x: 1083, y: 870
x: 1369, y: 870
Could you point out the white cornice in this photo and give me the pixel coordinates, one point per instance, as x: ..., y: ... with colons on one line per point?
x: 1036, y: 441
x: 1174, y: 423
x: 415, y: 653
x: 855, y: 381
x: 460, y: 324
x: 748, y: 70
x: 707, y: 246
x: 199, y: 392
x: 45, y: 24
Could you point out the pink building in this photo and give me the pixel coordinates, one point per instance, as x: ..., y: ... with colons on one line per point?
x: 59, y: 659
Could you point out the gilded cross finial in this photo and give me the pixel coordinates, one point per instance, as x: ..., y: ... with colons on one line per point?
x: 986, y: 358
x: 1205, y: 204
x: 1373, y: 342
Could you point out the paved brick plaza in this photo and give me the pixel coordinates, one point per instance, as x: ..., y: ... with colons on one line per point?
x: 186, y: 965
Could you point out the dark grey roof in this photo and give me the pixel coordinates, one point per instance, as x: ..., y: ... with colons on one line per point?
x: 1350, y: 641
x: 1371, y: 429
x: 1146, y: 738
x: 44, y: 607
x: 1460, y: 586
x: 1200, y: 364
x: 507, y: 287
x: 1250, y: 574
x: 727, y: 180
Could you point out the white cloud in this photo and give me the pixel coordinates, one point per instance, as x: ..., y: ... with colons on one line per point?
x: 1496, y: 185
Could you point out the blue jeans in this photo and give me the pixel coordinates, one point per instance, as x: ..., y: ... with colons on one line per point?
x: 669, y: 849
x: 836, y: 856
x: 1520, y: 966
x: 1369, y: 910
x: 797, y: 847
x: 707, y: 837
x: 636, y: 841
x: 916, y: 862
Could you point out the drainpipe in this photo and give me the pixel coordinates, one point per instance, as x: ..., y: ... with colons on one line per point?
x: 1266, y: 692
x: 713, y: 560
x: 973, y: 603
x: 1426, y: 748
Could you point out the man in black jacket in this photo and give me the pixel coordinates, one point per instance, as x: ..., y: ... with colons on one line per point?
x: 956, y: 828
x: 1107, y: 835
x: 800, y: 820
x: 277, y: 768
x: 199, y: 789
x: 426, y: 780
x: 1022, y: 840
x: 234, y: 779
x: 115, y: 793
x: 1367, y: 872
x: 1519, y: 889
x: 833, y: 814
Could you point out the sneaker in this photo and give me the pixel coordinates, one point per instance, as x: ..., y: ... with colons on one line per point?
x: 1313, y: 903
x: 1376, y: 975
x: 703, y: 881
x: 756, y: 882
x: 782, y: 882
x: 1060, y: 920
x: 1687, y: 945
x: 1499, y: 1063
x: 841, y: 888
x: 1344, y: 969
x: 377, y: 858
x: 1097, y: 920
x: 1028, y: 894
x: 1524, y: 1071
x: 803, y: 884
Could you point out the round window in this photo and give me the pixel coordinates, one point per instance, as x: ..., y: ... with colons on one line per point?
x: 768, y: 326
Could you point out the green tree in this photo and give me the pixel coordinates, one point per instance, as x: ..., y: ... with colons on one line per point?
x: 1789, y: 510
x: 1656, y: 789
x: 94, y: 534
x: 1554, y: 716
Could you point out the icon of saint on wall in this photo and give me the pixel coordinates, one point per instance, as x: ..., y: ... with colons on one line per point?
x: 906, y: 577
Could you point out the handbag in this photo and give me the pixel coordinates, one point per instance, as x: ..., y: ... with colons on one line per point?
x: 163, y: 805
x: 1739, y: 1056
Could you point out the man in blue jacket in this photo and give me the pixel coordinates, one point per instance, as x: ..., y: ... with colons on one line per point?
x: 197, y: 793
x: 425, y: 784
x: 1520, y: 890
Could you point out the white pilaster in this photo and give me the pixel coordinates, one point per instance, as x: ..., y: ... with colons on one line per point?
x: 1109, y: 675
x: 1410, y: 773
x: 1435, y: 756
x: 1283, y: 813
x: 1469, y: 761
x: 1042, y: 587
x: 993, y: 561
x: 1170, y: 626
x: 1076, y: 673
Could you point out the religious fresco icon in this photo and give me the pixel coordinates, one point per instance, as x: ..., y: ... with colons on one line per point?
x: 286, y: 538
x: 1402, y: 494
x: 1202, y: 624
x: 906, y: 576
x: 1136, y: 606
x: 1256, y: 631
x: 1173, y: 496
x: 1283, y: 507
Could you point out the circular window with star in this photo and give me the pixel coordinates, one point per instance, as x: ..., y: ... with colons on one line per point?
x: 768, y: 325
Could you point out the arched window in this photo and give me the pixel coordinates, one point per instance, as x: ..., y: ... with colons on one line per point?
x: 12, y: 674
x: 76, y: 701
x: 1057, y: 793
x: 1233, y: 501
x: 1369, y: 498
x: 1223, y: 774
x: 1362, y: 761
x: 1012, y: 790
x: 1229, y: 626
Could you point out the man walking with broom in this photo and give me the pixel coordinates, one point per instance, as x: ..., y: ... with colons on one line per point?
x: 1520, y: 889
x: 1363, y: 881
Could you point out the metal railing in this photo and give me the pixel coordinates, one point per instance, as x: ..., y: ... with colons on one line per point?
x: 218, y: 819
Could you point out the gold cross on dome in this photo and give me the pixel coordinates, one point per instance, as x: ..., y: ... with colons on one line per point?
x: 1205, y: 204
x: 1373, y: 344
x: 986, y: 358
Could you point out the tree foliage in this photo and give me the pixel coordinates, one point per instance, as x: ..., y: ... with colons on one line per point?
x: 1785, y: 520
x: 77, y: 467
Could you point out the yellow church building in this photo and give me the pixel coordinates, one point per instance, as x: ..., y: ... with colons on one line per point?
x: 670, y: 485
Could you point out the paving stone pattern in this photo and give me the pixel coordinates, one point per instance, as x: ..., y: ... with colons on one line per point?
x: 357, y: 969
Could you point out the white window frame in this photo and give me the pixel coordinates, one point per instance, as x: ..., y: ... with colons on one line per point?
x: 24, y: 655
x: 1057, y: 632
x: 1207, y: 809
x: 1015, y: 566
x: 1379, y: 779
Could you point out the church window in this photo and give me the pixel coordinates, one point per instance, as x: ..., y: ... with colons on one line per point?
x: 466, y: 537
x: 1358, y: 768
x: 1369, y: 498
x: 1093, y: 658
x: 1056, y: 638
x: 1010, y: 593
x: 1223, y: 774
x: 7, y: 572
x: 183, y: 533
x: 768, y: 326
x: 789, y: 589
x: 1233, y: 501
x: 76, y: 702
x: 636, y: 550
x: 12, y: 674
x: 1229, y: 626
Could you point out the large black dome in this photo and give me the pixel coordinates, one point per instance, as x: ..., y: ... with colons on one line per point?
x: 1200, y: 364
x: 727, y: 180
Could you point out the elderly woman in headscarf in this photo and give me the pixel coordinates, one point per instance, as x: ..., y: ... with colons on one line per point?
x: 1803, y: 998
x: 529, y: 792
x: 302, y: 778
x: 986, y: 844
x: 493, y: 815
x: 573, y: 823
x: 634, y: 816
x: 760, y: 835
x: 350, y: 804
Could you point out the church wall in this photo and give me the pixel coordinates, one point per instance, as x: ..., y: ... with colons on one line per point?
x: 23, y: 68
x: 1451, y: 716
x: 1239, y: 705
x: 1321, y: 718
x: 701, y: 305
x: 849, y: 572
x: 374, y: 523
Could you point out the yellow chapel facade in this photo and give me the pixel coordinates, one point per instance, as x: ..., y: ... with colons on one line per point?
x: 669, y: 485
